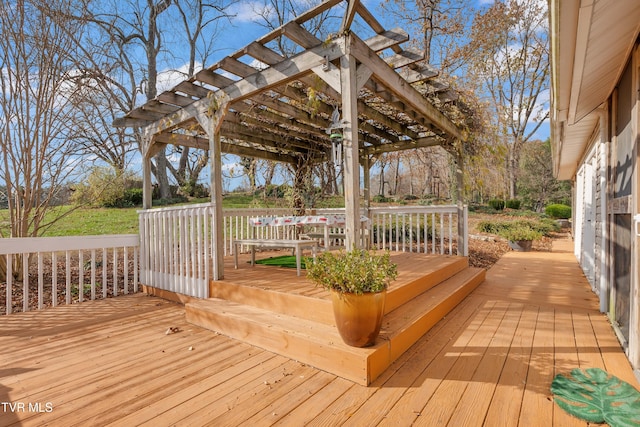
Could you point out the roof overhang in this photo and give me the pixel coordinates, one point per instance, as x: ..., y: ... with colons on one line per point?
x: 590, y: 44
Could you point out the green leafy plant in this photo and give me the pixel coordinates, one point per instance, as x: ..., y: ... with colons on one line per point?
x: 595, y: 396
x: 558, y: 211
x: 493, y: 227
x: 497, y: 204
x: 379, y: 198
x: 520, y: 232
x: 513, y: 204
x: 356, y: 271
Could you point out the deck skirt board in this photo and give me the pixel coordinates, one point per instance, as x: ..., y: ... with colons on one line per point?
x: 300, y: 326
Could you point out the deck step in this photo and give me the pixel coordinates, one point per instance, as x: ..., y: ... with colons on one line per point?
x: 411, y: 283
x: 318, y: 344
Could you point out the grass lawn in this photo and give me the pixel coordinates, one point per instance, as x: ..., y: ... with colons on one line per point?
x: 99, y: 221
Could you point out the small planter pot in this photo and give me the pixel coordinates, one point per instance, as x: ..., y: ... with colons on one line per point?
x: 521, y: 245
x: 358, y: 316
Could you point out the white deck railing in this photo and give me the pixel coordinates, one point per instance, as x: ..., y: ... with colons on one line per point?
x: 176, y: 251
x: 426, y: 229
x: 177, y: 248
x: 57, y: 270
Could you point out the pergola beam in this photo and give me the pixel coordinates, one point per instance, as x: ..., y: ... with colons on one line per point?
x: 400, y: 88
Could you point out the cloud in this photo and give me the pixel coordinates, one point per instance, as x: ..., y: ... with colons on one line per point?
x: 168, y: 79
x: 249, y: 11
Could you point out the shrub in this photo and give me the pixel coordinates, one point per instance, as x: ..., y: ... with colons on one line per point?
x: 380, y: 199
x: 524, y: 228
x: 558, y: 211
x: 497, y: 204
x: 357, y: 271
x: 493, y: 227
x: 410, y: 197
x: 107, y: 188
x: 518, y: 232
x: 133, y: 197
x: 513, y: 204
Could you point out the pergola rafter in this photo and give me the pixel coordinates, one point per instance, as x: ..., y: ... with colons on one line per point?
x: 261, y: 104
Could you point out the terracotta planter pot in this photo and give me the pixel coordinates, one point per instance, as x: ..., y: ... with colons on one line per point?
x: 358, y: 317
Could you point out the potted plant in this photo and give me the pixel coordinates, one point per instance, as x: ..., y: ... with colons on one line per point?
x: 358, y: 281
x: 520, y: 237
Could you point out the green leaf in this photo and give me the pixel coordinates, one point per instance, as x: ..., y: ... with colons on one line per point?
x: 595, y: 396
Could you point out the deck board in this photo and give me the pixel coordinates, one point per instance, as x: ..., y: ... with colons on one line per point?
x: 489, y: 362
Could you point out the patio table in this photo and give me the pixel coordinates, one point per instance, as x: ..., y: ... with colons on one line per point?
x: 326, y: 221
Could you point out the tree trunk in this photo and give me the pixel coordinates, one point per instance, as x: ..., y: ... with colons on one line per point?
x: 161, y: 174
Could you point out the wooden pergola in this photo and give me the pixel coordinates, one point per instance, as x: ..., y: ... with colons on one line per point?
x: 258, y: 103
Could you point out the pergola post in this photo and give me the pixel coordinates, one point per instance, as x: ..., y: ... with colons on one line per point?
x: 462, y: 217
x: 217, y: 220
x: 147, y: 189
x: 149, y: 149
x: 366, y: 165
x: 211, y: 119
x: 351, y: 171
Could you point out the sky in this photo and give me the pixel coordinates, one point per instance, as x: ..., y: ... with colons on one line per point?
x: 243, y: 30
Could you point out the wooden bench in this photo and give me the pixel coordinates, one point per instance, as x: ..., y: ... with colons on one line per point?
x: 296, y: 245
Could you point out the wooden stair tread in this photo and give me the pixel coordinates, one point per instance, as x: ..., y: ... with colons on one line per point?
x: 318, y: 343
x: 431, y: 298
x: 411, y: 282
x: 309, y: 342
x: 315, y: 331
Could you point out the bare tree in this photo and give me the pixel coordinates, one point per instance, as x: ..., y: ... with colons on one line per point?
x: 437, y: 26
x: 39, y: 84
x: 121, y: 31
x: 108, y: 79
x: 200, y: 21
x: 510, y: 61
x: 38, y: 81
x: 272, y: 14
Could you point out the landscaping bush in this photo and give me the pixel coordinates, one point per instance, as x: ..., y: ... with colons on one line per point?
x: 107, y: 188
x: 275, y: 191
x: 493, y: 227
x: 513, y: 204
x: 519, y: 227
x: 497, y: 204
x: 518, y: 232
x: 132, y: 197
x: 544, y: 226
x: 558, y: 211
x: 379, y: 198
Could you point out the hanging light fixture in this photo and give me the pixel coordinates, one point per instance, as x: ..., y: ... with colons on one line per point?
x: 335, y: 135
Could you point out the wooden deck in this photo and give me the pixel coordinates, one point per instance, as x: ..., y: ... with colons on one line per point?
x: 489, y: 362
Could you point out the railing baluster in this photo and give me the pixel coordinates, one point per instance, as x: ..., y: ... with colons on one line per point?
x: 67, y: 269
x: 450, y: 233
x: 126, y: 269
x: 93, y: 274
x: 105, y: 263
x: 80, y: 276
x: 115, y: 271
x: 54, y: 279
x: 9, y: 283
x: 441, y: 234
x: 40, y: 280
x: 25, y: 282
